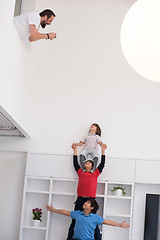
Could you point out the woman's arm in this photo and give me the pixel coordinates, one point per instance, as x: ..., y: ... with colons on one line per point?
x: 59, y: 211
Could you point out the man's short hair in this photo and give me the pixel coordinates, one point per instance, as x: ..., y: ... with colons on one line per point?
x: 47, y: 12
x: 93, y: 204
x: 91, y: 161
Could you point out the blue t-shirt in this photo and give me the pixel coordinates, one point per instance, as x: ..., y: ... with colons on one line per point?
x: 85, y: 224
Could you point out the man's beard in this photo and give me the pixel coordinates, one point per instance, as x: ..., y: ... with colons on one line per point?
x: 43, y: 24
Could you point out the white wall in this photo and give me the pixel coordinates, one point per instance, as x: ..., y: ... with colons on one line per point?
x: 79, y: 78
x: 14, y: 68
x: 82, y: 77
x: 12, y: 168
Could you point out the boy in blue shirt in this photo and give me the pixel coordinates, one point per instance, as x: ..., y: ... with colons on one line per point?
x: 86, y: 220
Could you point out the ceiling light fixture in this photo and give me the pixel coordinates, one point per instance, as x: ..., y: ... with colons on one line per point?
x: 140, y: 38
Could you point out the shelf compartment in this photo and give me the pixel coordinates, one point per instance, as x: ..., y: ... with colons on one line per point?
x: 32, y: 234
x: 64, y: 186
x: 115, y: 233
x: 32, y: 200
x: 57, y: 220
x: 101, y: 204
x: 37, y: 184
x: 63, y: 201
x: 101, y: 188
x: 128, y: 189
x: 118, y: 206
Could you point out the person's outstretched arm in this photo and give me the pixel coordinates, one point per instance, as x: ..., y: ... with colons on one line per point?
x: 35, y: 35
x: 75, y: 159
x: 116, y: 224
x: 102, y: 163
x: 59, y: 211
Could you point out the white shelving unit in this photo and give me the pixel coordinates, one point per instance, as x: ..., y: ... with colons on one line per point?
x: 40, y: 191
x: 118, y: 209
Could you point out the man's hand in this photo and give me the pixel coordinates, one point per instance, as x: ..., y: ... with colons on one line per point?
x: 124, y: 225
x: 50, y: 208
x: 74, y: 146
x: 104, y: 146
x: 35, y: 35
x: 52, y: 35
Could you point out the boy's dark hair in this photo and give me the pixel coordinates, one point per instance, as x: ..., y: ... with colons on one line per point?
x: 93, y: 204
x: 91, y: 162
x: 98, y: 131
x: 47, y: 12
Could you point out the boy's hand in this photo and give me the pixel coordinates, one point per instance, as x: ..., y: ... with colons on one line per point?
x: 50, y: 208
x: 124, y: 225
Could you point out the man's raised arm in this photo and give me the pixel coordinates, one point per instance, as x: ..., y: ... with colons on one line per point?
x: 75, y: 160
x: 102, y: 163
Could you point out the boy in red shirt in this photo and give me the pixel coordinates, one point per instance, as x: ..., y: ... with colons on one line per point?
x: 87, y: 185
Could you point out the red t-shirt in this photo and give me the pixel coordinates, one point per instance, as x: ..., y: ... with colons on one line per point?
x: 87, y: 184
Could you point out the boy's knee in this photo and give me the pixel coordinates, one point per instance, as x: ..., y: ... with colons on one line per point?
x: 82, y: 157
